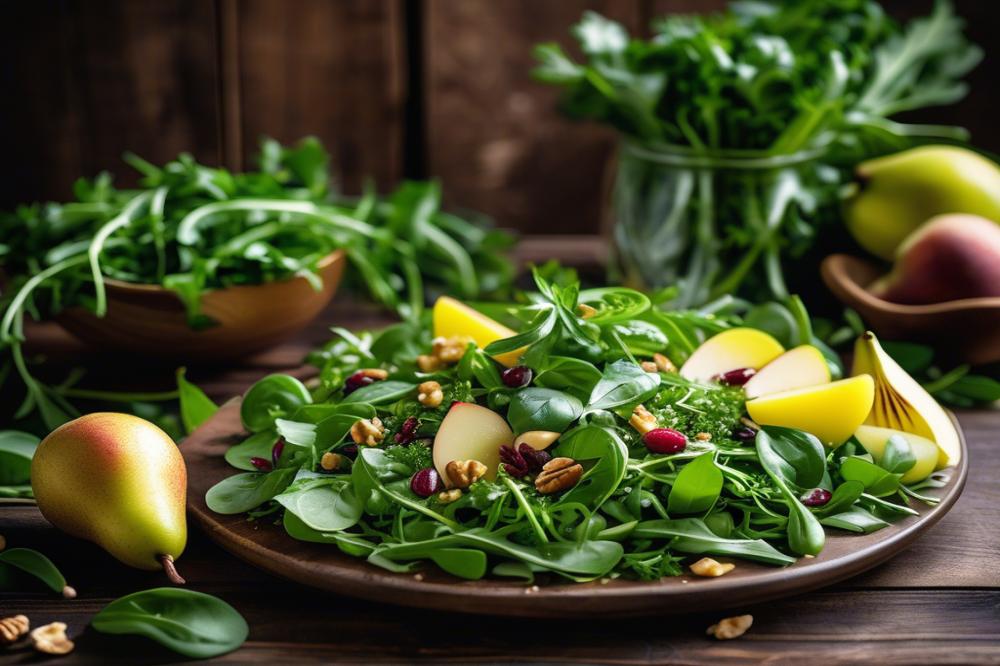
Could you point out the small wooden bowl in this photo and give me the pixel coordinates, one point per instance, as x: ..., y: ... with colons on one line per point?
x: 150, y: 320
x: 966, y: 330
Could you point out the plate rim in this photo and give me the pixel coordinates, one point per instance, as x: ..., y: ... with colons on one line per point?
x: 343, y: 575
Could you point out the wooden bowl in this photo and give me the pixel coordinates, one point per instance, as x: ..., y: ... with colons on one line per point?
x: 150, y: 320
x: 966, y: 330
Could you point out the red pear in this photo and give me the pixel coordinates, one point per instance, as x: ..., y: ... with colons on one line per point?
x: 951, y: 257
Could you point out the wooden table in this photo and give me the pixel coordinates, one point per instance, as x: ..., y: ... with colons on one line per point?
x: 937, y: 602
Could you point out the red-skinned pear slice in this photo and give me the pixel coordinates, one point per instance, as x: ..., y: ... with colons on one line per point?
x: 731, y: 350
x: 902, y: 404
x: 471, y: 432
x: 796, y: 368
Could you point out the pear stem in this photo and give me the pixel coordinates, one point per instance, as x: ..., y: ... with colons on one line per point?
x: 168, y: 566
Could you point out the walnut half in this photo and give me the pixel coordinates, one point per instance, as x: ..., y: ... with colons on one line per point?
x: 463, y: 473
x: 51, y: 639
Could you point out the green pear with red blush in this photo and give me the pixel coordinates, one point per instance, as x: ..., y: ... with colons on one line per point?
x: 116, y: 480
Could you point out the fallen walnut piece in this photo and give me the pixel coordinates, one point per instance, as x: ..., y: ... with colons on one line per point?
x: 558, y: 474
x: 730, y: 627
x: 51, y: 639
x: 709, y: 568
x: 12, y: 628
x: 463, y: 473
x: 642, y: 419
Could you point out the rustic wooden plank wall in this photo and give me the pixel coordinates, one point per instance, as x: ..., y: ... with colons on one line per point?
x: 395, y: 88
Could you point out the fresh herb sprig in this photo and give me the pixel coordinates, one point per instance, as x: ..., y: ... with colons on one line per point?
x: 741, y: 128
x: 633, y: 513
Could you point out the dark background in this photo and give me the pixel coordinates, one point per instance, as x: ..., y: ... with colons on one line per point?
x: 394, y: 88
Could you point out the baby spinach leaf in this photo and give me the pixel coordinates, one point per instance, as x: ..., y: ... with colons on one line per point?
x: 797, y: 457
x: 477, y: 365
x: 196, y: 407
x: 258, y: 445
x: 465, y: 563
x: 844, y: 495
x: 272, y: 397
x: 697, y: 486
x: 898, y: 456
x: 805, y: 534
x: 602, y: 478
x: 380, y: 393
x: 877, y: 481
x: 855, y: 519
x: 692, y: 535
x: 622, y: 383
x: 542, y: 409
x: 326, y: 504
x: 640, y: 337
x: 296, y: 432
x: 241, y: 492
x: 31, y: 562
x: 351, y: 544
x: 572, y: 375
x: 16, y: 451
x: 190, y: 623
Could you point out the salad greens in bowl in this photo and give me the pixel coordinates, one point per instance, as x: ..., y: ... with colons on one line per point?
x: 586, y: 434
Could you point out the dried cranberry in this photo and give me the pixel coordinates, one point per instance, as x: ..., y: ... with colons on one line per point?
x: 276, y: 451
x: 523, y: 460
x: 262, y: 464
x: 426, y: 482
x: 407, y: 431
x: 744, y: 434
x: 664, y: 440
x: 816, y: 497
x: 737, y: 377
x: 516, y: 377
x: 356, y: 381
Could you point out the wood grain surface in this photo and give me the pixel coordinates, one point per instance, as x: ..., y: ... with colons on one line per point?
x: 938, y: 602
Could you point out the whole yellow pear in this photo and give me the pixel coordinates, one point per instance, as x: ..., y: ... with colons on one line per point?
x: 116, y: 480
x: 898, y: 193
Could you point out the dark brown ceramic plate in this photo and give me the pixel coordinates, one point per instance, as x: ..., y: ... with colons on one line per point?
x: 323, y: 566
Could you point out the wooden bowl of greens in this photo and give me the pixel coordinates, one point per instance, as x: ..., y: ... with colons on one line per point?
x: 149, y: 319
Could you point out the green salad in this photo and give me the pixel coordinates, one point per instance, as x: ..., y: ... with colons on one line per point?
x: 578, y: 438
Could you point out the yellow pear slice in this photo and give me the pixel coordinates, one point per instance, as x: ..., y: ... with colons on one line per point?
x: 874, y: 439
x: 901, y: 403
x: 831, y: 411
x: 730, y: 350
x: 454, y: 318
x: 796, y: 368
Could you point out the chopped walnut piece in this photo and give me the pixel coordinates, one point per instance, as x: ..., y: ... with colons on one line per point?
x: 642, y: 420
x: 663, y: 364
x: 704, y: 436
x: 331, y: 461
x: 730, y: 627
x: 450, y: 350
x: 709, y: 568
x: 368, y: 431
x: 428, y: 363
x: 51, y: 639
x: 649, y: 366
x: 429, y: 394
x: 463, y: 473
x: 449, y: 496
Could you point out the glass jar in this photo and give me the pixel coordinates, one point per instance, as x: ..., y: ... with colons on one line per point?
x: 712, y: 223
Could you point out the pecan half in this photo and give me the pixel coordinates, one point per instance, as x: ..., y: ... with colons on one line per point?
x: 12, y: 628
x: 557, y: 475
x: 730, y: 627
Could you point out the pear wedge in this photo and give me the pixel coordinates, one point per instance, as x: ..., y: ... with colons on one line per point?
x: 902, y: 404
